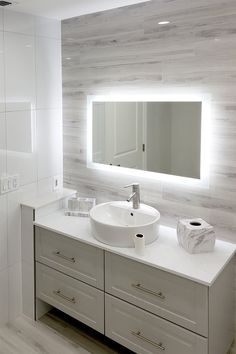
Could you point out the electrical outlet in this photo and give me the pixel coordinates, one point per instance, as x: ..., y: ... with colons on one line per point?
x: 57, y: 183
x: 15, y: 182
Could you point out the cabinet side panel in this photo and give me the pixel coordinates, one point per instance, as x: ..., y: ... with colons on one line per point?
x: 221, y: 311
x: 27, y: 254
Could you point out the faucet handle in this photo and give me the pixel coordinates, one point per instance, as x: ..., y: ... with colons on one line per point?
x: 132, y: 185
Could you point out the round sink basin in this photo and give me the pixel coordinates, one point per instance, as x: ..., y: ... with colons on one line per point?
x: 116, y: 223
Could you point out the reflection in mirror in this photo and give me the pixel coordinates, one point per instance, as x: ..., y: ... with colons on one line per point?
x: 163, y: 137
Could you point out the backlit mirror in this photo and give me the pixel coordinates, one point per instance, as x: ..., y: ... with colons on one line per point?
x: 162, y: 137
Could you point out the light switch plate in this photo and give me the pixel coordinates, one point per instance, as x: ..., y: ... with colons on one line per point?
x: 9, y: 183
x: 4, y: 185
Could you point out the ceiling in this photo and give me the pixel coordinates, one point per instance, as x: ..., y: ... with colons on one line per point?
x: 62, y: 9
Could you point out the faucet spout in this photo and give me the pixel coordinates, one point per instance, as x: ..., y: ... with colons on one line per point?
x: 131, y: 197
x: 135, y: 196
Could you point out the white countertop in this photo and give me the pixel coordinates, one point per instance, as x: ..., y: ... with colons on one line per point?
x: 165, y: 253
x: 43, y: 200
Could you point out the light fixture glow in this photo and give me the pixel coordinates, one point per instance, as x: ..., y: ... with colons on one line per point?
x: 205, y: 137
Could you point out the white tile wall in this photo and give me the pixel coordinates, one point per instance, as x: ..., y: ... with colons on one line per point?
x: 49, y: 28
x: 1, y: 19
x: 3, y: 233
x: 2, y: 143
x: 2, y: 92
x: 49, y: 75
x: 30, y: 139
x: 20, y: 71
x: 49, y: 146
x: 21, y: 147
x: 24, y: 23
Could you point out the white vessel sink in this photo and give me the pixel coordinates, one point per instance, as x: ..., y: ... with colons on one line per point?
x: 116, y: 223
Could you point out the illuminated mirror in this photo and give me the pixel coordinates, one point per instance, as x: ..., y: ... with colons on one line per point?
x: 161, y: 137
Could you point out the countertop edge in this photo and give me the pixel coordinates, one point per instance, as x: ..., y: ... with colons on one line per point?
x: 42, y: 201
x: 139, y: 259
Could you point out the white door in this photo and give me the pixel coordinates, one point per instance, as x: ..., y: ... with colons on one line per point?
x: 124, y: 134
x: 98, y: 132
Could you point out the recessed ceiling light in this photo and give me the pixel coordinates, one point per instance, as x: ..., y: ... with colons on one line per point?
x: 163, y: 22
x: 68, y: 58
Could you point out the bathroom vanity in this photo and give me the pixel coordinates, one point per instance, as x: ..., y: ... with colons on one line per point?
x: 165, y: 301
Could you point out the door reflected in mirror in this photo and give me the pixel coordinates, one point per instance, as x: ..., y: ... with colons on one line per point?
x: 162, y: 137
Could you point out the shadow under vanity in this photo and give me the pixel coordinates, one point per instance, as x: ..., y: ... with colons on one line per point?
x: 165, y: 301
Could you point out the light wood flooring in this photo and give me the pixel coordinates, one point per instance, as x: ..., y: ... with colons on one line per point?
x: 55, y: 333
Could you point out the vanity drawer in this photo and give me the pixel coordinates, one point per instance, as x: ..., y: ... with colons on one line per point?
x: 145, y: 333
x: 81, y: 261
x: 174, y: 298
x: 71, y: 296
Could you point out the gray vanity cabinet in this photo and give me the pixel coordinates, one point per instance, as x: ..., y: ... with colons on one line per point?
x: 146, y: 309
x: 179, y: 300
x: 77, y: 299
x: 74, y: 258
x: 143, y: 332
x: 70, y: 277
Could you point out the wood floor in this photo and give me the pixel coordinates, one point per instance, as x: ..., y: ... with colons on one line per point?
x: 55, y: 333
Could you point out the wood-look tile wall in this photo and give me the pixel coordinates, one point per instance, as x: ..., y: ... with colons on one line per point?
x: 125, y: 50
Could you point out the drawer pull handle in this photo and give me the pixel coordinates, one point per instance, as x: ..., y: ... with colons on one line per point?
x: 140, y: 336
x: 59, y: 254
x: 140, y: 287
x: 58, y: 293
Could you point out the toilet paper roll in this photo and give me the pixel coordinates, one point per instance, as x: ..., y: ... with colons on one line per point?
x: 139, y: 244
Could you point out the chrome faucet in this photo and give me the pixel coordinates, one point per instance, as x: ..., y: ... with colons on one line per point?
x: 135, y: 196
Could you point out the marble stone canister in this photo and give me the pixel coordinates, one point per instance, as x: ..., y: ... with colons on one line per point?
x: 196, y: 235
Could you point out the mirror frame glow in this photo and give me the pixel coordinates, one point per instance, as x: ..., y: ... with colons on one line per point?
x: 205, y: 136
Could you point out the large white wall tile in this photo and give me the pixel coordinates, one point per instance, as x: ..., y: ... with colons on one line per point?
x: 4, y: 296
x: 3, y: 166
x: 21, y: 145
x: 20, y: 131
x: 49, y: 143
x: 48, y: 73
x: 45, y: 186
x: 3, y: 232
x: 19, y: 22
x: 46, y: 27
x: 2, y: 74
x: 20, y: 71
x: 1, y: 19
x: 28, y: 191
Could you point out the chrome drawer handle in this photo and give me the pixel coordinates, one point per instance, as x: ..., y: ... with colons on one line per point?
x: 58, y: 293
x: 140, y: 336
x: 59, y: 254
x: 140, y: 287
